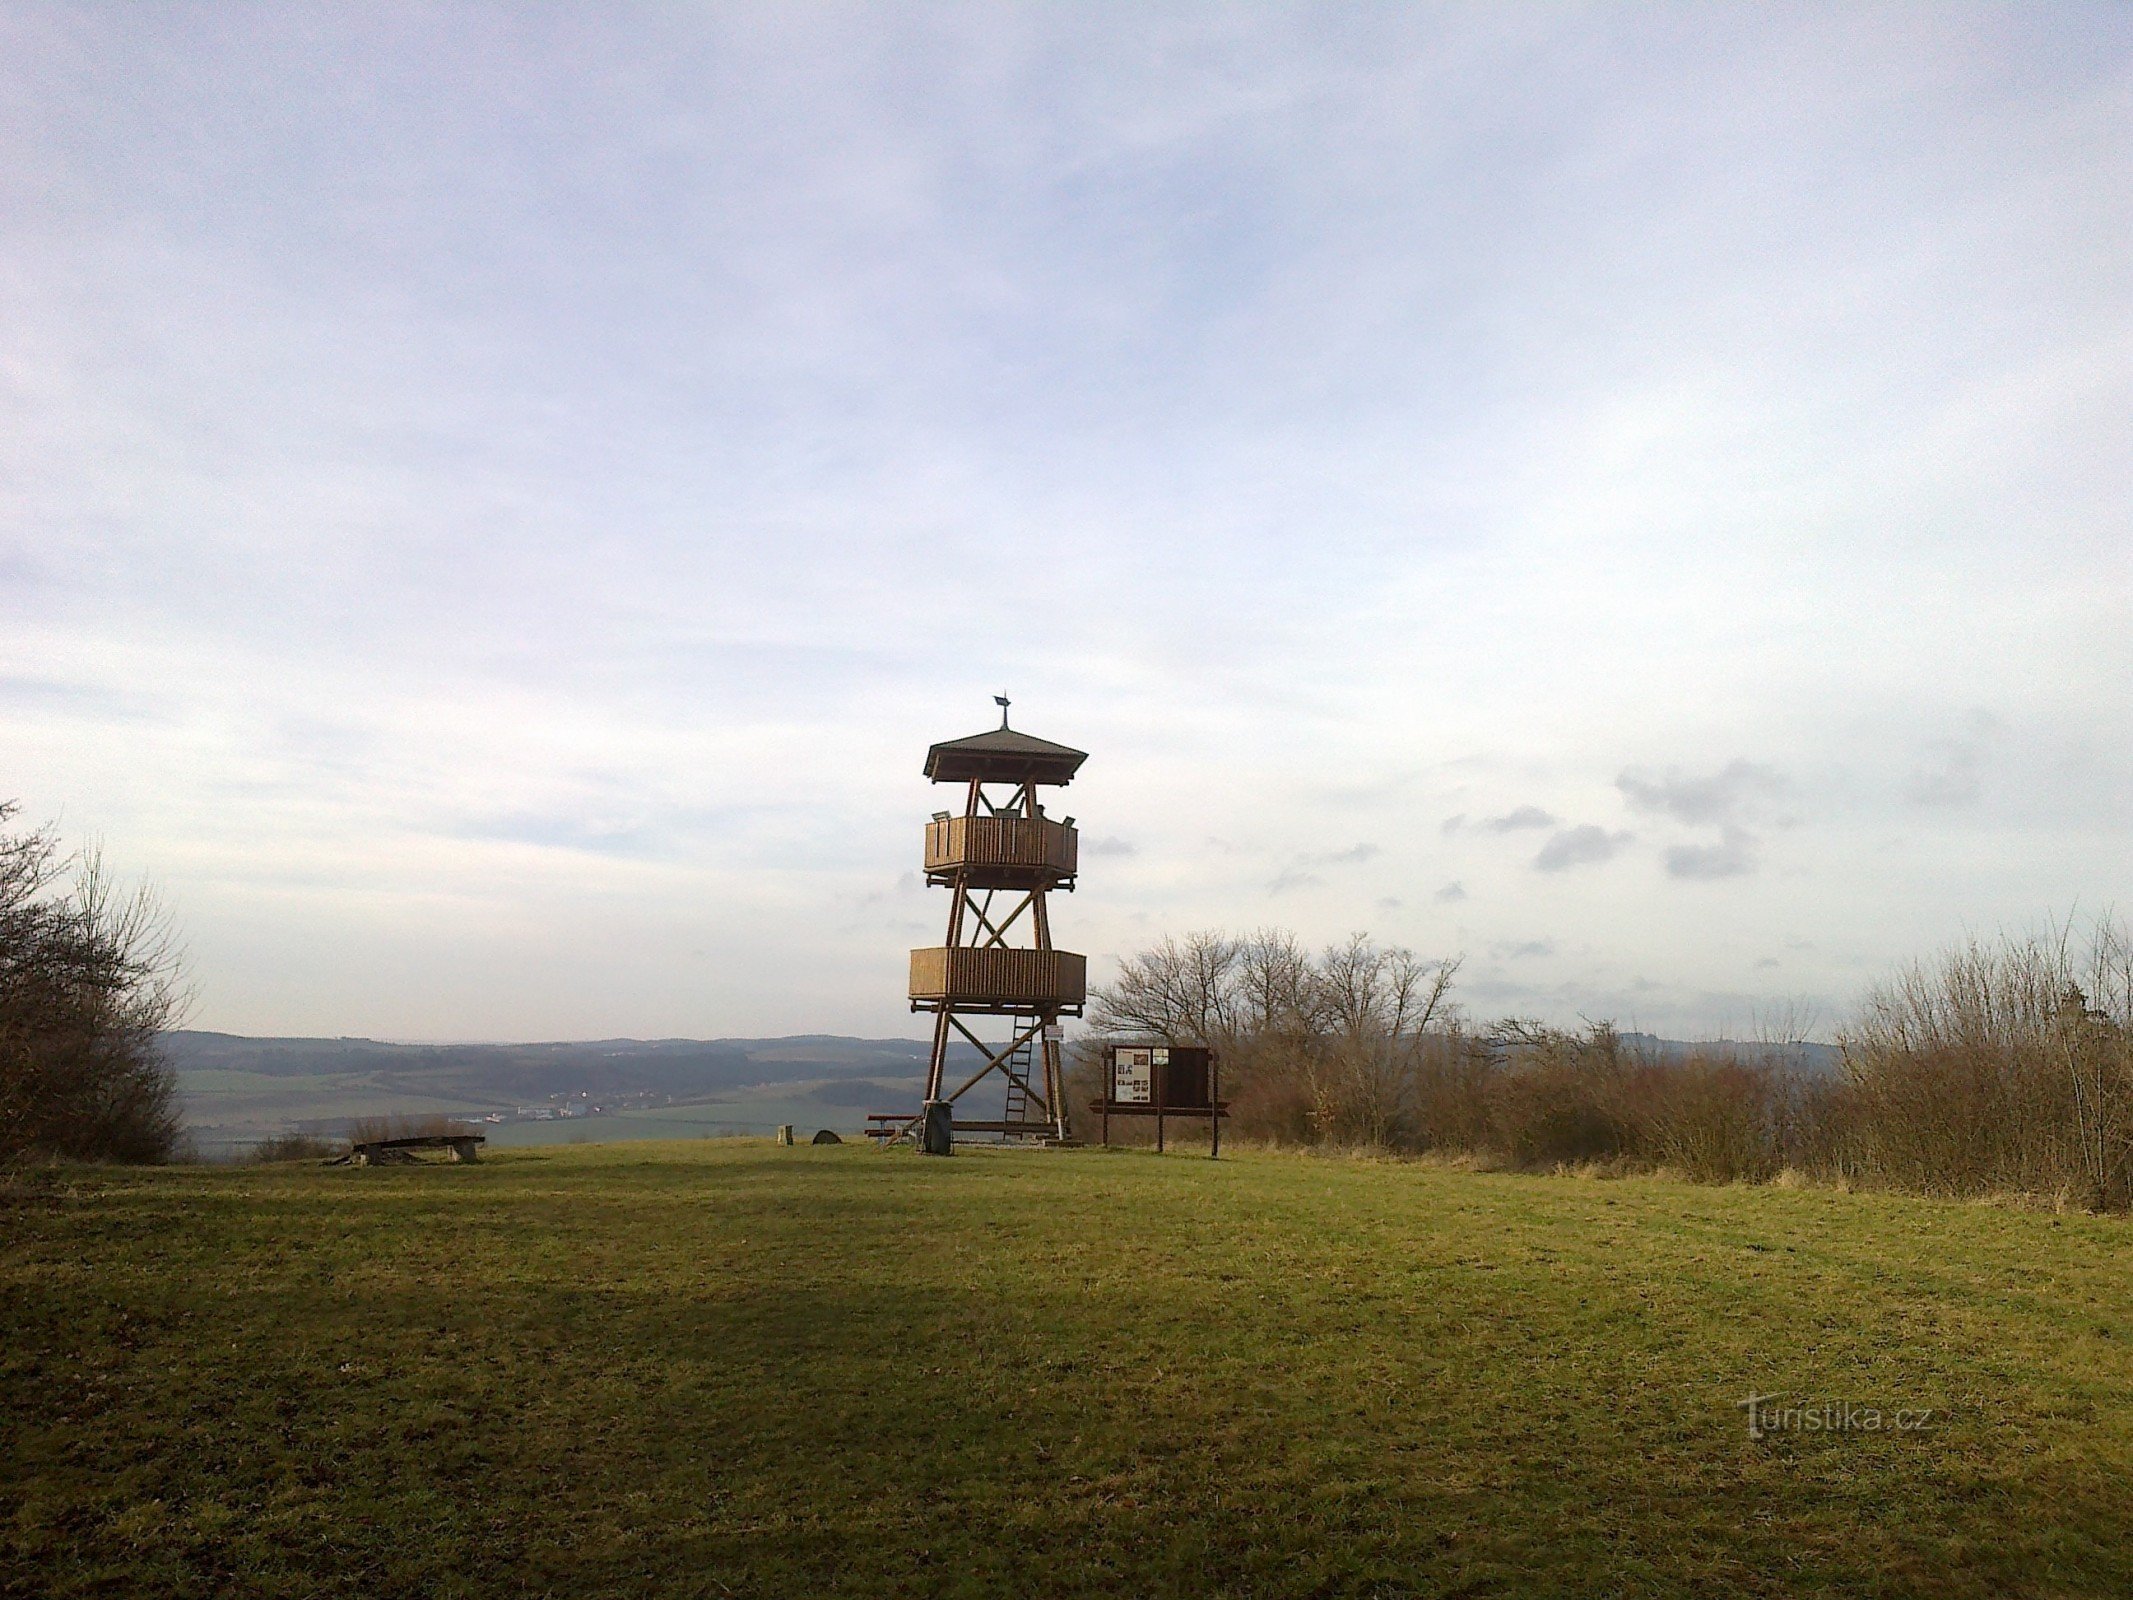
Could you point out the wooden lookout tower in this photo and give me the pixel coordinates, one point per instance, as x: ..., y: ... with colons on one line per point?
x: 999, y: 857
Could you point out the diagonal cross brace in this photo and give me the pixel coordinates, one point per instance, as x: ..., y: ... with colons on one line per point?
x: 1000, y: 1060
x: 983, y: 914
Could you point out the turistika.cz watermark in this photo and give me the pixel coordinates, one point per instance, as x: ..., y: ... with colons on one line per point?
x: 1770, y: 1413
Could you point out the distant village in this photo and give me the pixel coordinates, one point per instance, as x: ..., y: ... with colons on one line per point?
x: 557, y: 1107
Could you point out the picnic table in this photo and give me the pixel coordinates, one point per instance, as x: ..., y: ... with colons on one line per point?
x: 373, y: 1152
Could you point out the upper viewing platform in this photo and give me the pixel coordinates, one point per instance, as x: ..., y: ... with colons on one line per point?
x: 1001, y: 755
x: 1004, y: 852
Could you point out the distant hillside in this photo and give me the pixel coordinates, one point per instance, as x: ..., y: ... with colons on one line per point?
x: 1805, y: 1056
x: 236, y: 1090
x: 511, y: 1073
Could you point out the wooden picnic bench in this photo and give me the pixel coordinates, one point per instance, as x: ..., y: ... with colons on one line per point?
x: 369, y: 1152
x: 890, y: 1124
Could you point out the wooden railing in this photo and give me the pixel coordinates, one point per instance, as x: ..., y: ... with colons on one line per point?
x: 999, y: 976
x: 1036, y: 844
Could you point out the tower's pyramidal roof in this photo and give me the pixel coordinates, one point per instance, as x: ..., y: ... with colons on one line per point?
x: 1001, y: 755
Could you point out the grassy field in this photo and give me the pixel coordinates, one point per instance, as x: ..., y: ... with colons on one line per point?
x: 721, y: 1368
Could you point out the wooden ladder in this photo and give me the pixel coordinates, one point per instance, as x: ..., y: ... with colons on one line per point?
x: 1017, y: 1107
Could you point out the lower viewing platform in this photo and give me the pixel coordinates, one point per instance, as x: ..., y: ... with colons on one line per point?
x: 998, y: 979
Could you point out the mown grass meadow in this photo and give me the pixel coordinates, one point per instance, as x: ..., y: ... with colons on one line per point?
x: 722, y: 1368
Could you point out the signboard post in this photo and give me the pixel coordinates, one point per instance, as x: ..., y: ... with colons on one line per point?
x: 1159, y: 1072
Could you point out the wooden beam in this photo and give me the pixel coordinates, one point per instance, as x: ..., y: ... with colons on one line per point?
x: 978, y: 1076
x: 1000, y: 1061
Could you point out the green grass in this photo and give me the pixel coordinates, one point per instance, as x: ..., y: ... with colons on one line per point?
x: 725, y: 1368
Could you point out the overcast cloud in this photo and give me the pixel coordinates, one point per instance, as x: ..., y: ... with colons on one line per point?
x: 495, y: 501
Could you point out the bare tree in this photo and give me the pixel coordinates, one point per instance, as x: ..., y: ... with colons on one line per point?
x: 1323, y: 1048
x: 90, y: 977
x: 2000, y: 1066
x: 1997, y: 1066
x: 1182, y: 991
x: 2095, y: 1041
x: 1378, y: 1003
x: 1278, y: 993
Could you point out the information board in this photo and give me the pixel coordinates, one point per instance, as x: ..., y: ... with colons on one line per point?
x: 1158, y: 1081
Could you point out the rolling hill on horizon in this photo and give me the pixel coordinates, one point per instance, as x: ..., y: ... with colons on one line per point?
x: 236, y: 1089
x: 508, y: 1071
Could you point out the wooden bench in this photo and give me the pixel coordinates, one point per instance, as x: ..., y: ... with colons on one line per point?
x: 374, y: 1152
x: 892, y: 1125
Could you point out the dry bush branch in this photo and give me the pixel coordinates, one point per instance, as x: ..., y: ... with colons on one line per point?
x: 90, y: 977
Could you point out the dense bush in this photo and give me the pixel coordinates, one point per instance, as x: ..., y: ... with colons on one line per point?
x: 1315, y: 1049
x: 295, y: 1147
x: 2004, y: 1068
x: 1361, y: 1046
x: 89, y: 979
x: 1534, y: 1096
x: 1998, y: 1067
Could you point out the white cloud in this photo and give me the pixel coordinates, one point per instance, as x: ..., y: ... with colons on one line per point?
x: 1579, y: 847
x: 1733, y: 855
x: 1952, y: 770
x: 1522, y: 817
x: 1723, y: 797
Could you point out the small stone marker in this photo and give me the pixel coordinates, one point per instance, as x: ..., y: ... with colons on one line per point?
x: 784, y: 1133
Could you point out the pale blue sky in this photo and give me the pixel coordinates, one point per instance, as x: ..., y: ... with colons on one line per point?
x: 495, y: 501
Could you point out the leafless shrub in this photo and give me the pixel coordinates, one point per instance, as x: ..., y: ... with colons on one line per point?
x: 294, y: 1147
x: 1714, y: 1120
x: 1361, y: 1047
x: 1376, y: 1008
x: 1455, y: 1074
x: 1557, y: 1097
x: 1998, y: 1067
x: 90, y: 976
x: 1318, y: 1049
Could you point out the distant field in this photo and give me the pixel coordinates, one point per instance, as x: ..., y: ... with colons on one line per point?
x: 740, y: 1114
x: 719, y: 1367
x: 236, y: 1091
x: 754, y: 1111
